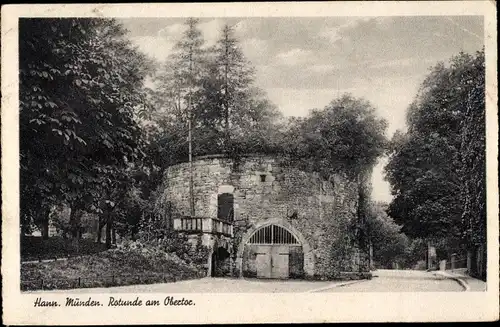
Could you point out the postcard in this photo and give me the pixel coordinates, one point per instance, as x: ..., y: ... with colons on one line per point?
x: 249, y: 162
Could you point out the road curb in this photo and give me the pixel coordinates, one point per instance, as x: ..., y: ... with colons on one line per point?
x: 335, y: 285
x: 44, y: 260
x: 459, y: 280
x: 463, y: 283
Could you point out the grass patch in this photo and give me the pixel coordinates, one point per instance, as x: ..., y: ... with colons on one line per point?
x: 109, y: 268
x: 35, y: 248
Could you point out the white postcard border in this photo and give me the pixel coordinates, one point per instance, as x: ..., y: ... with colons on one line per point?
x: 243, y: 308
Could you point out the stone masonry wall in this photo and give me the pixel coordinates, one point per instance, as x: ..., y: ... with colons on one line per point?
x: 321, y: 211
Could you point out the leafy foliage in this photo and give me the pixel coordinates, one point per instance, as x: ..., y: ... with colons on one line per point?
x: 34, y: 248
x: 157, y: 233
x: 109, y: 268
x: 473, y: 159
x: 346, y: 136
x: 177, y: 85
x: 389, y: 244
x: 429, y: 164
x: 80, y: 93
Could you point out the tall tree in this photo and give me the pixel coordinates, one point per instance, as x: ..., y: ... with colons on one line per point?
x: 80, y: 87
x: 472, y: 157
x: 346, y: 136
x: 188, y: 65
x: 179, y: 81
x: 229, y: 113
x: 425, y: 168
x: 235, y: 75
x: 389, y: 244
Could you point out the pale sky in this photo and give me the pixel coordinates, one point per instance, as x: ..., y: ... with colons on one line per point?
x: 304, y: 63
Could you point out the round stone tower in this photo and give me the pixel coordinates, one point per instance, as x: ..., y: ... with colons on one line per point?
x: 262, y: 217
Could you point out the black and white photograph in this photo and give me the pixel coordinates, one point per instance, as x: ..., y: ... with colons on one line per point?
x: 181, y: 155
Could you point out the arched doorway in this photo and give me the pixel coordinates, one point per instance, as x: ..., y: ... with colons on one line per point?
x: 220, y: 263
x: 273, y: 251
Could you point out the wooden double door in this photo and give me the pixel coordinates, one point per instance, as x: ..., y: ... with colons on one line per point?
x: 272, y: 261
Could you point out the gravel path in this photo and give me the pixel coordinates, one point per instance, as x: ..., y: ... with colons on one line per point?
x: 213, y: 285
x: 383, y: 281
x: 403, y: 281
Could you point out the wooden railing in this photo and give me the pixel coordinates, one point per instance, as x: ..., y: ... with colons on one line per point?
x: 203, y: 225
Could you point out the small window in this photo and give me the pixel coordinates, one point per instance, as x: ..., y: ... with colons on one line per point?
x: 263, y: 178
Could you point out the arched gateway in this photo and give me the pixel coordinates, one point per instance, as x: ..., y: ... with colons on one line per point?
x: 273, y: 251
x: 273, y: 246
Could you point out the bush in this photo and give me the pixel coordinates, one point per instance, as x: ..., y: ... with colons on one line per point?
x: 110, y: 268
x: 169, y: 241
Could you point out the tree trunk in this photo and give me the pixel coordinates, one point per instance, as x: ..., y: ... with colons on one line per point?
x: 371, y: 257
x: 73, y: 222
x: 78, y: 232
x: 469, y: 262
x: 45, y: 228
x: 361, y: 213
x: 429, y: 256
x: 99, y: 231
x: 44, y: 222
x: 113, y: 235
x: 98, y: 236
x: 226, y: 82
x: 190, y: 137
x: 484, y: 259
x: 109, y: 227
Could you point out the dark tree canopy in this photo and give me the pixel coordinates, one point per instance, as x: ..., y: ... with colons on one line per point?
x: 347, y: 135
x: 427, y: 165
x: 389, y: 244
x: 80, y: 92
x: 473, y: 159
